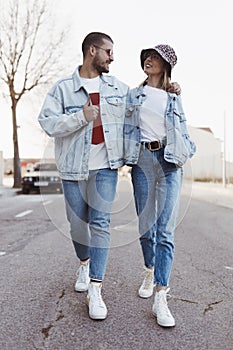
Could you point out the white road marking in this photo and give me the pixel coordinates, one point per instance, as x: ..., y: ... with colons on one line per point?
x: 47, y: 202
x: 118, y: 227
x: 23, y: 213
x: 228, y: 267
x: 2, y: 253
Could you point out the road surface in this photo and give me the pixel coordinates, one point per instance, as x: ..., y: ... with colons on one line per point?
x: 40, y: 309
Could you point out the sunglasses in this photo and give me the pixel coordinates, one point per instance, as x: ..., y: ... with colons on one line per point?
x: 109, y: 52
x: 152, y: 54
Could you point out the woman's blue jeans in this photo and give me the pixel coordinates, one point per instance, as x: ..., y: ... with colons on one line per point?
x: 88, y: 207
x: 157, y: 186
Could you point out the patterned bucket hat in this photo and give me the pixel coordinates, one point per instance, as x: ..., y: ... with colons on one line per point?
x: 165, y: 51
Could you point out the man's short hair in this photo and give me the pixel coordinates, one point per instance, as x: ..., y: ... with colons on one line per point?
x: 94, y: 38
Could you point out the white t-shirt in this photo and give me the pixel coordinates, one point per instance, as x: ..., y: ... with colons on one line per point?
x: 152, y: 121
x: 98, y: 158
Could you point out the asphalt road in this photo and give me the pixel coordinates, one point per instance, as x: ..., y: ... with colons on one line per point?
x: 40, y: 309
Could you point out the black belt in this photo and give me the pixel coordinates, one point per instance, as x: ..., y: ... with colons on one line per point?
x: 154, y: 145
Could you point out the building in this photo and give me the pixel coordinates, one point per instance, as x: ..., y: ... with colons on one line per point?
x: 207, y: 163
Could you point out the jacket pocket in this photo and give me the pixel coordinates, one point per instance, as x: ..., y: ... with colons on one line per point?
x: 115, y: 106
x: 72, y: 109
x: 115, y: 100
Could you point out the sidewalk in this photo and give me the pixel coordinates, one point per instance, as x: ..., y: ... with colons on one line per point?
x: 6, y: 190
x: 214, y: 193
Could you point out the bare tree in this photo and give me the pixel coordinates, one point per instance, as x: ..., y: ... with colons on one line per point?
x: 30, y: 52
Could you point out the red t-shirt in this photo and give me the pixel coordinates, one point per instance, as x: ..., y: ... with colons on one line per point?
x: 97, y: 133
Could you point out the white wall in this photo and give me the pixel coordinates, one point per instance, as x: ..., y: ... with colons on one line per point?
x: 207, y: 162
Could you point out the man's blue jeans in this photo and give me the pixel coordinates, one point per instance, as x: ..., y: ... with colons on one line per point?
x: 157, y: 186
x: 88, y: 207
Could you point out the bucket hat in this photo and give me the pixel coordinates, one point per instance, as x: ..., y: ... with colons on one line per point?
x: 165, y: 51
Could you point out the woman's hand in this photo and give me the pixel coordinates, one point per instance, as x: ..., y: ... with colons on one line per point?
x: 175, y: 88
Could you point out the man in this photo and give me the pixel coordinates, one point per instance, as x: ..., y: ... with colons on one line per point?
x: 85, y: 114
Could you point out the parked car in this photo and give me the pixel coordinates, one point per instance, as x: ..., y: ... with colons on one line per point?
x: 43, y: 178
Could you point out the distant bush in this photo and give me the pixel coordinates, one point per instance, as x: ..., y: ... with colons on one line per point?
x: 229, y: 180
x: 207, y: 179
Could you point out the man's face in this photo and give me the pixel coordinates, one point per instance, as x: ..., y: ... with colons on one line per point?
x: 103, y: 56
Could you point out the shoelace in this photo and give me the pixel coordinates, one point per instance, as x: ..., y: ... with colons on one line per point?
x: 97, y: 296
x: 163, y: 303
x: 81, y: 273
x: 148, y: 279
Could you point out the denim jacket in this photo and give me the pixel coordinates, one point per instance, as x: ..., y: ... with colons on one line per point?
x: 62, y: 118
x: 178, y: 147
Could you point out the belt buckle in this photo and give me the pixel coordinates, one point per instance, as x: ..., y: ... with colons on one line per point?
x: 156, y: 148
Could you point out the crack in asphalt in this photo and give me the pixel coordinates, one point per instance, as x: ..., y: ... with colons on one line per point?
x: 46, y: 331
x: 205, y: 270
x: 209, y: 306
x: 186, y: 300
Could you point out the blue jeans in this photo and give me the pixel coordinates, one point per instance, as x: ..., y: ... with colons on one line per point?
x: 88, y: 207
x: 157, y: 186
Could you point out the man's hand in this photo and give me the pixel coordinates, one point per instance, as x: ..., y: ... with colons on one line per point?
x: 90, y: 112
x: 175, y: 88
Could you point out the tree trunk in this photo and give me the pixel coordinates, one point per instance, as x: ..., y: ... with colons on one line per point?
x: 17, y: 165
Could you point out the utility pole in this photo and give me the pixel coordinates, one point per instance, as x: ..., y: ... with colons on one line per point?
x: 224, y: 151
x: 1, y: 168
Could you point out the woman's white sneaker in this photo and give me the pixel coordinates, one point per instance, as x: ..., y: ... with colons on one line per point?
x: 97, y: 307
x: 83, y: 279
x: 147, y: 288
x: 161, y: 310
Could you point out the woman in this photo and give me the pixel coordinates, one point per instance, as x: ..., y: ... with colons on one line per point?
x: 157, y: 145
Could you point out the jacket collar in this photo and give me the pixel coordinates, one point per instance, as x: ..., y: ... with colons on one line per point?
x: 78, y: 83
x: 141, y: 93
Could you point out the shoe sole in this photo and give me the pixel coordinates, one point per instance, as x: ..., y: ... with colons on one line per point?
x: 93, y: 317
x: 145, y: 296
x: 84, y: 289
x: 81, y: 290
x: 163, y: 325
x: 97, y: 318
x: 166, y: 325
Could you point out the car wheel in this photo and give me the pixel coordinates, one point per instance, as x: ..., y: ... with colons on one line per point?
x: 25, y: 191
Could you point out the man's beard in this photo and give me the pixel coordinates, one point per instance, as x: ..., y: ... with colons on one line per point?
x: 100, y: 69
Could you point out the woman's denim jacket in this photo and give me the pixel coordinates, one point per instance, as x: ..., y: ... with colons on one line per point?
x: 62, y: 118
x: 178, y: 147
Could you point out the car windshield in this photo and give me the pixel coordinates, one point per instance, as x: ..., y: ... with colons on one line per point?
x: 45, y: 167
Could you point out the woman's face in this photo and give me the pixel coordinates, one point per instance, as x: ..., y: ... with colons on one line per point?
x: 153, y: 64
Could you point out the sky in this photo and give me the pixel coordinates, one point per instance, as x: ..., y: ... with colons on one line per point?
x: 200, y: 33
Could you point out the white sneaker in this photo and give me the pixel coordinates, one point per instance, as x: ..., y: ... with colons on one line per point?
x: 97, y: 307
x: 83, y: 279
x: 161, y: 310
x: 147, y: 287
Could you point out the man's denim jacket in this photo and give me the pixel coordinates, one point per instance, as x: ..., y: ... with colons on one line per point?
x: 178, y: 147
x: 62, y: 118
